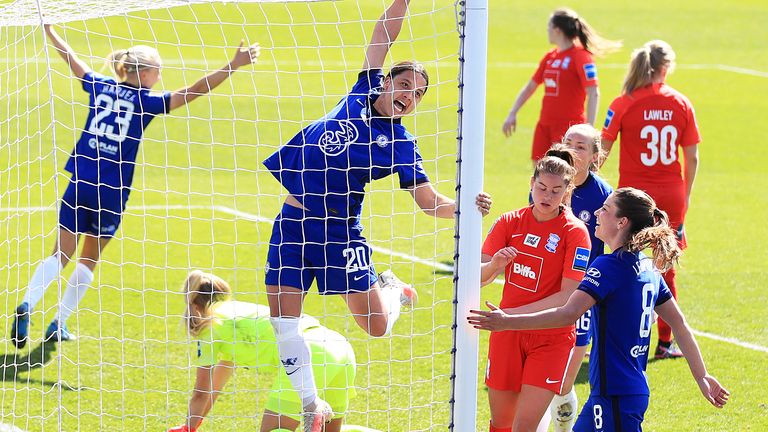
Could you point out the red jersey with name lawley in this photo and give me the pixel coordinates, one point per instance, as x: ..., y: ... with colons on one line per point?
x: 547, y: 252
x: 654, y: 122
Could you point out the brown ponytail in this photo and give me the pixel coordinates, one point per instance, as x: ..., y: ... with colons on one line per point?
x: 202, y: 290
x: 649, y: 227
x: 575, y: 27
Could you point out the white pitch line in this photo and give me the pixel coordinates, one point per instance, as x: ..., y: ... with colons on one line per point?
x: 341, y: 66
x: 136, y: 211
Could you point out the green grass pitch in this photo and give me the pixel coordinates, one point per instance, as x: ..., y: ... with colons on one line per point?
x: 202, y: 200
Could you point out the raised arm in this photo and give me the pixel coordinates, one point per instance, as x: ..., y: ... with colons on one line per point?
x: 384, y: 34
x: 78, y: 67
x: 709, y: 386
x: 243, y: 56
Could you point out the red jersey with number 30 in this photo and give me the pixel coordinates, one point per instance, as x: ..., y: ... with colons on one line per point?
x: 546, y: 253
x: 565, y: 76
x: 654, y: 122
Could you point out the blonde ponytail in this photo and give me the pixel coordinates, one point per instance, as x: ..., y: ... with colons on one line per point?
x: 202, y: 290
x: 647, y: 62
x: 126, y: 62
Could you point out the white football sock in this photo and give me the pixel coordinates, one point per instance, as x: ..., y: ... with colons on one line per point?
x: 544, y: 422
x: 45, y: 273
x: 78, y: 284
x: 391, y: 297
x: 295, y: 357
x: 570, y: 405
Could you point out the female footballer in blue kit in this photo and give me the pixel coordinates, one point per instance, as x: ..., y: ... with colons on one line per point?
x: 625, y: 288
x: 318, y: 235
x: 590, y: 193
x: 102, y: 165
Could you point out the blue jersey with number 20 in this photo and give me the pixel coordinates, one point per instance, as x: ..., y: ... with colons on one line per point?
x: 118, y: 114
x: 626, y: 288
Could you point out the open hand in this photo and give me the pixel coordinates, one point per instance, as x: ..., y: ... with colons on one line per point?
x: 713, y: 391
x: 245, y: 55
x: 494, y: 319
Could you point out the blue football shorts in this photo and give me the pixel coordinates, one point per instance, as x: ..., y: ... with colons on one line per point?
x: 92, y: 209
x: 304, y: 248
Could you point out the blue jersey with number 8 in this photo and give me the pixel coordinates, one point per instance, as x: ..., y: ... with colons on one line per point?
x: 118, y: 114
x: 626, y: 287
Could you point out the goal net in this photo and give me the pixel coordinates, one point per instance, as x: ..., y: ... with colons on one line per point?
x: 201, y: 199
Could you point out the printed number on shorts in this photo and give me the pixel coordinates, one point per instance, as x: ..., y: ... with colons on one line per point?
x: 357, y: 259
x: 105, y: 106
x: 646, y: 319
x: 662, y: 145
x: 597, y: 415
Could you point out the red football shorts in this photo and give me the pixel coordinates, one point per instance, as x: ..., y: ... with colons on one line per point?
x: 518, y: 357
x: 547, y: 134
x: 671, y: 199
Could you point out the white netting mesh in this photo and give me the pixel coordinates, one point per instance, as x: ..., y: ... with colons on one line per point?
x: 202, y: 199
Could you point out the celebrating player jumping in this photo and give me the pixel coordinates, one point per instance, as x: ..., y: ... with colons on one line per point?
x: 102, y: 166
x: 318, y: 235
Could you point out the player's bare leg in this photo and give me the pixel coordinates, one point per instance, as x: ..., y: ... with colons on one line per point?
x: 503, y: 405
x: 531, y: 406
x: 377, y: 310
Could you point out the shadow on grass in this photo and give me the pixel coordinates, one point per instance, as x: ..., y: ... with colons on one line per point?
x: 13, y: 364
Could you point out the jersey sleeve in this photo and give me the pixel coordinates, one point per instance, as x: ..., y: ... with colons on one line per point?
x: 578, y: 247
x: 156, y: 103
x: 664, y: 292
x: 601, y: 278
x: 366, y: 81
x: 90, y: 79
x: 612, y: 123
x: 586, y: 69
x: 538, y: 76
x: 691, y: 134
x: 498, y: 235
x: 409, y: 167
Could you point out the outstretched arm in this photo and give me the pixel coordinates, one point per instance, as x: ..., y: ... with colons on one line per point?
x: 436, y: 204
x: 243, y: 56
x: 567, y: 288
x: 709, y: 386
x: 497, y: 320
x: 78, y: 67
x: 384, y: 34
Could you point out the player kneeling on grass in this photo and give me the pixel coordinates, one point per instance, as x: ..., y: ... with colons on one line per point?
x: 233, y: 334
x: 102, y: 165
x: 626, y: 287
